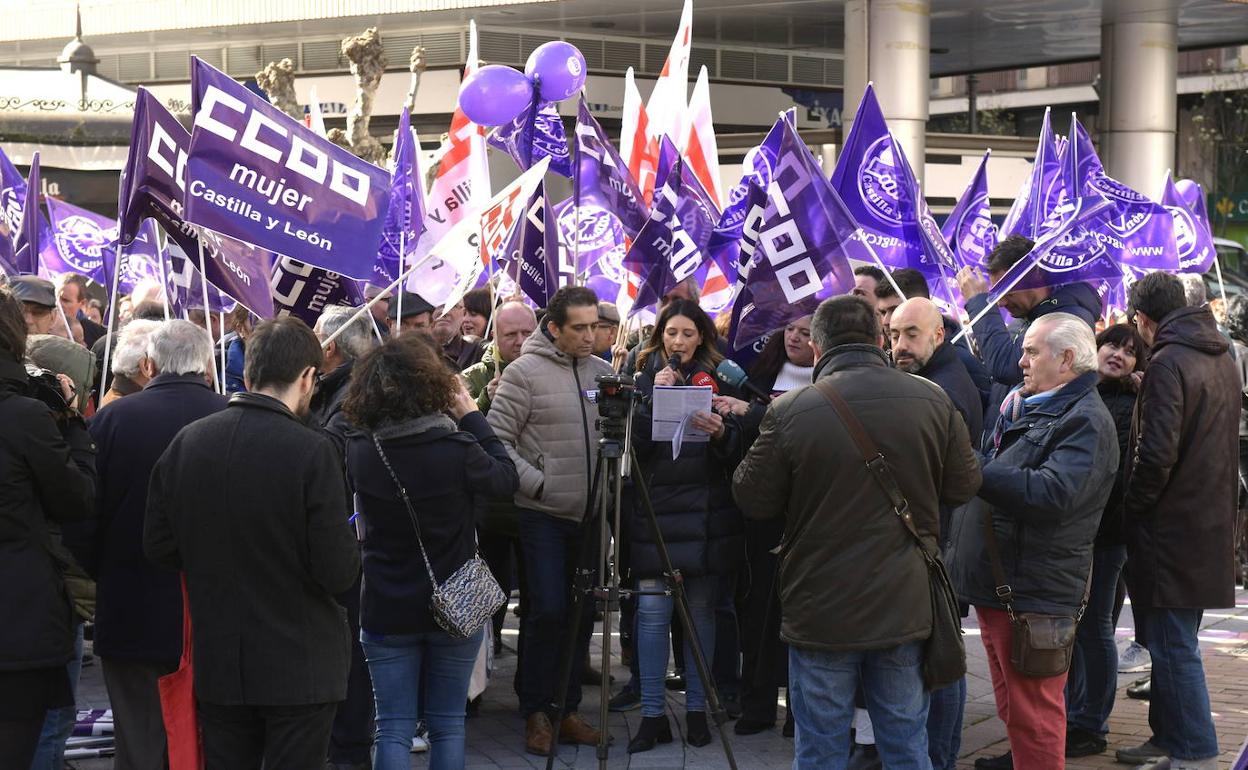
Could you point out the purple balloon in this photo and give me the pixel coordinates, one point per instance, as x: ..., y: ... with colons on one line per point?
x: 495, y: 95
x: 557, y: 69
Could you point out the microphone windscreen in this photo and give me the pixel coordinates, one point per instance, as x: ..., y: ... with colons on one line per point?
x: 702, y: 379
x: 731, y: 373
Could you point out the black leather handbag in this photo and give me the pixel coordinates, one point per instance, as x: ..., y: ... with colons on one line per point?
x: 944, y: 654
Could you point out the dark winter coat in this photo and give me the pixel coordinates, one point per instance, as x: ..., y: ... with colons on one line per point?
x: 138, y: 613
x: 1119, y: 397
x: 250, y: 503
x: 1182, y: 486
x: 851, y: 576
x: 327, y: 401
x: 691, y: 495
x: 1045, y: 489
x: 1001, y: 348
x: 445, y: 469
x: 47, y: 473
x: 974, y: 367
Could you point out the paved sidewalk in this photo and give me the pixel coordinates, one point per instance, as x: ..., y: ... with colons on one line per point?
x: 496, y: 735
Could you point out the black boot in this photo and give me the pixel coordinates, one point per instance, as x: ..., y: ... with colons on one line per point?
x: 652, y: 730
x: 697, y: 732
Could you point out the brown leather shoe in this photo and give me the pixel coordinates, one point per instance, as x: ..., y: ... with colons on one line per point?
x: 575, y: 730
x: 537, y: 734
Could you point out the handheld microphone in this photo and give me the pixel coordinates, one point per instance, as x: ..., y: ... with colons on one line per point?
x: 702, y: 379
x: 673, y: 363
x: 731, y: 374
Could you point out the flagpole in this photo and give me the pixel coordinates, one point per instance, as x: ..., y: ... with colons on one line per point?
x: 376, y: 328
x: 1010, y: 287
x: 221, y: 326
x: 367, y: 306
x: 1217, y: 263
x: 203, y: 285
x: 164, y: 279
x: 111, y: 321
x: 69, y: 330
x: 398, y: 310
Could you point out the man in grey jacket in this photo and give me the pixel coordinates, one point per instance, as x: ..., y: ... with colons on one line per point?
x: 542, y: 411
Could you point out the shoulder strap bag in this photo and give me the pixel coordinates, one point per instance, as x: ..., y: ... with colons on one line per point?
x: 1040, y: 645
x: 944, y: 655
x: 467, y: 599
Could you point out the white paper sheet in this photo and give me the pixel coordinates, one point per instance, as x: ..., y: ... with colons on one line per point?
x: 672, y: 407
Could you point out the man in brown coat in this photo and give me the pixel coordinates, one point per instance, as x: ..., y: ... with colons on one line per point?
x: 1179, y: 511
x: 855, y: 602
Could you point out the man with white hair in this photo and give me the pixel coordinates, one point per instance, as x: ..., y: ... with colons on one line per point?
x: 1024, y: 544
x: 138, y: 615
x: 131, y: 367
x: 352, y: 343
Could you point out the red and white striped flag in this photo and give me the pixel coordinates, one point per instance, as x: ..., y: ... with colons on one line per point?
x: 670, y: 97
x: 701, y: 151
x: 639, y: 151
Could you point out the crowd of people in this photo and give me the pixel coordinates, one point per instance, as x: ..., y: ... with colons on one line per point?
x: 297, y: 495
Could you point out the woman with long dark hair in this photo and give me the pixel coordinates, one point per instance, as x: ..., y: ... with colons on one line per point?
x: 398, y: 402
x: 700, y: 524
x: 1120, y: 354
x: 47, y: 474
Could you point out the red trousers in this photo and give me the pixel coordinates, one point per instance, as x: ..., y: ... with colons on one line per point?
x: 1034, y: 710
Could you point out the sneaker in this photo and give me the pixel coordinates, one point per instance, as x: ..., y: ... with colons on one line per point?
x: 624, y: 700
x: 1138, y: 755
x: 420, y: 741
x: 1134, y: 659
x: 1141, y: 689
x: 1083, y: 743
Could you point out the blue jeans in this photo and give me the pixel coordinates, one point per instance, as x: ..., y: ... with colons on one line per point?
x: 1094, y: 664
x: 551, y: 550
x: 59, y: 723
x: 821, y: 696
x: 654, y: 620
x: 1178, y: 711
x: 944, y: 725
x: 423, y: 674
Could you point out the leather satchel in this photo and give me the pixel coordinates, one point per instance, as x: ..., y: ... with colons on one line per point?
x: 1041, y: 645
x: 465, y: 601
x: 944, y: 654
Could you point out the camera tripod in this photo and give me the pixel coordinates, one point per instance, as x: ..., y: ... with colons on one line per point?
x: 615, y: 456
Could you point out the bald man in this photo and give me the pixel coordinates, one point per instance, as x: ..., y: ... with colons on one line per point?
x: 917, y: 332
x: 513, y: 323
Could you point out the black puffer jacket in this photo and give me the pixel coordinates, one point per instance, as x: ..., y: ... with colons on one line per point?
x: 691, y: 495
x: 1119, y: 397
x: 46, y: 474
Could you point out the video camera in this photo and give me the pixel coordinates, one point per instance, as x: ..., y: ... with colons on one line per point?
x: 615, y: 396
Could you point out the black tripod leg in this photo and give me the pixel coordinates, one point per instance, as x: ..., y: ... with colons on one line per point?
x: 582, y: 583
x: 675, y: 582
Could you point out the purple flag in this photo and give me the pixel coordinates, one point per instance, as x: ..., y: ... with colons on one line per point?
x: 1042, y: 191
x: 1191, y: 228
x: 530, y: 259
x: 255, y: 174
x: 664, y: 252
x: 185, y: 288
x: 26, y: 243
x: 602, y: 179
x: 1140, y: 233
x: 599, y: 238
x: 697, y: 211
x: 536, y: 133
x: 82, y: 239
x: 140, y: 260
x: 1068, y: 250
x: 800, y: 259
x: 153, y: 185
x: 969, y: 228
x: 1079, y: 162
x: 868, y: 182
x: 939, y: 266
x: 405, y: 216
x: 305, y: 291
x: 724, y: 245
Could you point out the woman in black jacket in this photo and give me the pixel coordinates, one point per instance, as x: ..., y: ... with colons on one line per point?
x: 700, y: 524
x: 1093, y: 677
x: 47, y: 473
x: 399, y: 396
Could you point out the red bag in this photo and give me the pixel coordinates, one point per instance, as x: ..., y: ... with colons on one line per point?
x: 177, y: 703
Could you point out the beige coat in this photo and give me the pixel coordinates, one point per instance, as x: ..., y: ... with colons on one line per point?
x: 543, y: 413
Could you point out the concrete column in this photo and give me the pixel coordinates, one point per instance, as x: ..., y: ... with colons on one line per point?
x: 887, y: 42
x: 1139, y: 71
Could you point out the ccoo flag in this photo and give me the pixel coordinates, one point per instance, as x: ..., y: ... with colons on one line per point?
x: 664, y: 252
x: 304, y: 291
x: 800, y: 257
x: 1193, y: 239
x: 530, y: 259
x: 27, y: 242
x: 969, y: 229
x: 1041, y: 192
x: 1079, y: 161
x: 602, y: 179
x: 536, y: 133
x: 405, y: 214
x: 259, y: 176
